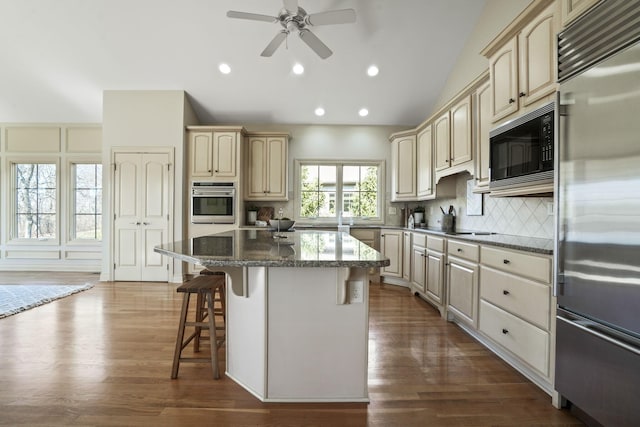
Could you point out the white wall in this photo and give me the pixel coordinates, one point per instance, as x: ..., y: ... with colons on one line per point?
x: 332, y: 142
x: 496, y: 15
x: 144, y: 119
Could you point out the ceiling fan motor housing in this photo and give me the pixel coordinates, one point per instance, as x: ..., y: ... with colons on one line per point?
x: 293, y: 22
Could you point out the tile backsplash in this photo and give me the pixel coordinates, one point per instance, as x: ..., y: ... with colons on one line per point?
x: 520, y: 216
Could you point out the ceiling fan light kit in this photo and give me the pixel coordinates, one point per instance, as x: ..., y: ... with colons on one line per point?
x: 293, y: 18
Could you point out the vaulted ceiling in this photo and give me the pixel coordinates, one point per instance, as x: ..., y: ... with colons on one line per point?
x: 58, y: 56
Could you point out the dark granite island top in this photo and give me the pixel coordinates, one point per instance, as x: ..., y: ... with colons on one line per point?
x: 254, y: 248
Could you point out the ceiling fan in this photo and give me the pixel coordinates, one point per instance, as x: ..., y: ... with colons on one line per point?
x: 294, y: 18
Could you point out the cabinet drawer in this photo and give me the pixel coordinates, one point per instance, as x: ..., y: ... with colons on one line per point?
x: 523, y: 339
x: 435, y: 243
x: 525, y: 298
x: 523, y: 264
x: 463, y: 250
x: 419, y: 240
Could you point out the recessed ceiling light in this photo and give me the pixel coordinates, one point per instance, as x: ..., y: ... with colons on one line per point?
x: 373, y: 71
x: 319, y: 111
x: 224, y: 68
x: 363, y: 112
x: 298, y: 69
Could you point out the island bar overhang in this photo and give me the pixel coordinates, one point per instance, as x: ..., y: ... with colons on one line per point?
x: 297, y: 314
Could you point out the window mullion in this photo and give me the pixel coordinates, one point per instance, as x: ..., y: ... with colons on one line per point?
x: 339, y: 183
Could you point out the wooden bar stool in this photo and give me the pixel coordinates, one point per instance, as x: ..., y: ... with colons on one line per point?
x: 210, y: 303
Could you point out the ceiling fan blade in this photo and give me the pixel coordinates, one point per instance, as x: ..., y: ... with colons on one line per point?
x: 314, y: 43
x: 343, y: 16
x: 274, y: 44
x: 291, y: 6
x: 250, y: 16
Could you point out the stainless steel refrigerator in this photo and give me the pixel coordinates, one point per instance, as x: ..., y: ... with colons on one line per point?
x: 598, y: 215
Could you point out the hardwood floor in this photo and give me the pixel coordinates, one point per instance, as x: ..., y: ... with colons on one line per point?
x: 103, y: 357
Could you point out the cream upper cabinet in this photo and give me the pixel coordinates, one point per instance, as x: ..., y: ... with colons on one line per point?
x: 536, y: 44
x: 461, y: 149
x: 453, y: 143
x: 403, y: 165
x: 391, y: 246
x: 522, y: 62
x: 442, y: 138
x: 424, y: 150
x: 214, y: 154
x: 266, y: 167
x: 483, y: 125
x: 572, y: 9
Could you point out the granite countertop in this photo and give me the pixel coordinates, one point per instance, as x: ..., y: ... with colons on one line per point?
x: 250, y: 247
x: 522, y: 243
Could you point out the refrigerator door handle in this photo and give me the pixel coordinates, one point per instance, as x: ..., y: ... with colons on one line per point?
x: 591, y: 328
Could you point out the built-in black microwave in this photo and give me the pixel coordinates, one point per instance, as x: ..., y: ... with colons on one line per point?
x: 521, y: 150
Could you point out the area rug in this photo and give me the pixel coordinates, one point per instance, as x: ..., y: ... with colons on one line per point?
x: 17, y: 298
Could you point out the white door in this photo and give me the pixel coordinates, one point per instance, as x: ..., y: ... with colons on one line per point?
x: 141, y: 215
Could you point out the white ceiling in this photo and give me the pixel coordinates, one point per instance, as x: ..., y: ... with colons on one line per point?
x: 58, y: 56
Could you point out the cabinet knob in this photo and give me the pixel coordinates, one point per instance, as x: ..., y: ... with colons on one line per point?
x: 446, y: 161
x: 459, y: 250
x: 511, y: 100
x: 521, y: 94
x: 505, y: 292
x: 505, y: 261
x: 209, y: 171
x: 216, y: 170
x: 505, y: 331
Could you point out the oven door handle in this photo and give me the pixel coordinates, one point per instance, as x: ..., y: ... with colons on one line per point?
x: 214, y: 193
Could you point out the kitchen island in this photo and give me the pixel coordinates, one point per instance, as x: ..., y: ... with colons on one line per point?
x: 297, y: 313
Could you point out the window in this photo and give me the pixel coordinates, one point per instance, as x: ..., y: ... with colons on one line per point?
x: 87, y: 201
x: 328, y: 188
x: 36, y: 200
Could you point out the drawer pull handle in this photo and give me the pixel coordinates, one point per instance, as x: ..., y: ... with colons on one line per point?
x: 505, y: 331
x: 505, y: 292
x: 506, y: 261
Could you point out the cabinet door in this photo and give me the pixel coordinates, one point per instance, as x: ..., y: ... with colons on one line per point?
x: 201, y: 146
x: 435, y: 275
x: 536, y: 45
x: 276, y: 168
x: 224, y: 154
x: 572, y: 9
x: 503, y: 72
x: 256, y: 168
x: 404, y: 168
x: 424, y: 170
x: 483, y: 125
x: 442, y: 141
x: 391, y: 245
x: 419, y: 268
x: 461, y: 132
x: 406, y: 256
x: 462, y: 287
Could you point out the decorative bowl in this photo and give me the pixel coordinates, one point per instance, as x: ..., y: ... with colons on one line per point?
x: 281, y: 224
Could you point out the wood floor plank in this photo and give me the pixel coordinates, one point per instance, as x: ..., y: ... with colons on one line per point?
x: 103, y: 357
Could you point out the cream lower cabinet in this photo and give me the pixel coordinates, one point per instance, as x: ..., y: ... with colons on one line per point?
x: 427, y: 276
x: 266, y: 175
x: 406, y: 255
x: 517, y: 310
x: 391, y: 246
x: 462, y: 281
